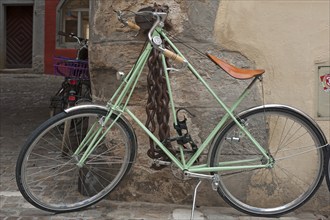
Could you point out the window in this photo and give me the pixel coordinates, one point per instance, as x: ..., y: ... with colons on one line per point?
x: 72, y: 17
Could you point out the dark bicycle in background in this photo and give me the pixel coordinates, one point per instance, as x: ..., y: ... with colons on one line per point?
x: 76, y: 87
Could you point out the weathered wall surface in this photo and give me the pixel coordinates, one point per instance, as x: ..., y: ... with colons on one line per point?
x: 288, y: 39
x: 200, y: 24
x: 38, y: 34
x: 114, y: 48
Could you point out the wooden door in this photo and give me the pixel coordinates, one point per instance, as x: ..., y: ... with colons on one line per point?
x: 19, y: 33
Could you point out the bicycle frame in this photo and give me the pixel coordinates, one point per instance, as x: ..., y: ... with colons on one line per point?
x: 120, y: 99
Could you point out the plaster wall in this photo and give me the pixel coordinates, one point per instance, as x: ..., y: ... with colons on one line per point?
x: 288, y: 39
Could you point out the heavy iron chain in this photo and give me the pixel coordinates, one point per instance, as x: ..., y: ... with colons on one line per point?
x: 157, y: 107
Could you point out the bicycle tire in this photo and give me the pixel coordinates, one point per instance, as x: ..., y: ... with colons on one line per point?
x: 83, y: 54
x: 48, y: 176
x: 327, y: 170
x: 292, y: 181
x: 84, y: 93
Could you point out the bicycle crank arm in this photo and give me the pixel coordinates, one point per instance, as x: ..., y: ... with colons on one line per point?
x: 214, y: 178
x: 161, y: 162
x: 198, y: 175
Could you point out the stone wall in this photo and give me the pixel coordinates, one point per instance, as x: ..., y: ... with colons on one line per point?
x: 38, y: 37
x: 116, y: 49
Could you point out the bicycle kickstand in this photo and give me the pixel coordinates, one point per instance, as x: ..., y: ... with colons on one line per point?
x: 194, y: 200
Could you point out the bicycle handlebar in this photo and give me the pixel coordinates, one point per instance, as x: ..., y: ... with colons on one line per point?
x: 61, y: 33
x: 173, y: 56
x: 72, y: 35
x: 160, y: 19
x: 133, y: 25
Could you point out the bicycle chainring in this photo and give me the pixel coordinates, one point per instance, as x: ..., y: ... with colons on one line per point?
x: 177, y: 172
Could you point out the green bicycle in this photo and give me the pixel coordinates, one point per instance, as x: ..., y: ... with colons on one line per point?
x: 265, y: 161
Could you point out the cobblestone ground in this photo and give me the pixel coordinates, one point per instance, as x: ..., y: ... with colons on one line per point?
x: 24, y: 105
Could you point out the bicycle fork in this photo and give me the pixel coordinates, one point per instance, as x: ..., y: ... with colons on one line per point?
x: 126, y: 88
x: 93, y: 137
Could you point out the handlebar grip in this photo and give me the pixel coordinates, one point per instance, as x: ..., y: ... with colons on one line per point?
x: 133, y: 25
x: 173, y: 56
x: 61, y: 33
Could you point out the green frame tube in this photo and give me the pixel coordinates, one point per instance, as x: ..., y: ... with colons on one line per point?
x: 119, y: 101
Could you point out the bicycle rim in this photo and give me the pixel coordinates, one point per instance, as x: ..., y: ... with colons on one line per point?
x: 297, y: 173
x: 48, y: 176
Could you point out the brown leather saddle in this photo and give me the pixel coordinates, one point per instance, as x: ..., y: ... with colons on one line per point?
x: 234, y: 71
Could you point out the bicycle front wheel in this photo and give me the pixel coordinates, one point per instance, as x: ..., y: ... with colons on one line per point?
x: 293, y: 143
x: 47, y: 173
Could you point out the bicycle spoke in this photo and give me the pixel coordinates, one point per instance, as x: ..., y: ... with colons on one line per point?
x: 293, y: 176
x: 51, y: 178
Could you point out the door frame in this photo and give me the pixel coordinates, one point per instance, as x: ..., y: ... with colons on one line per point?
x: 38, y: 32
x: 19, y: 22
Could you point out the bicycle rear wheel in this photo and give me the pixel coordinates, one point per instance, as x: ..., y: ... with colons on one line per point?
x: 59, y: 102
x: 84, y: 93
x: 47, y: 173
x: 294, y: 143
